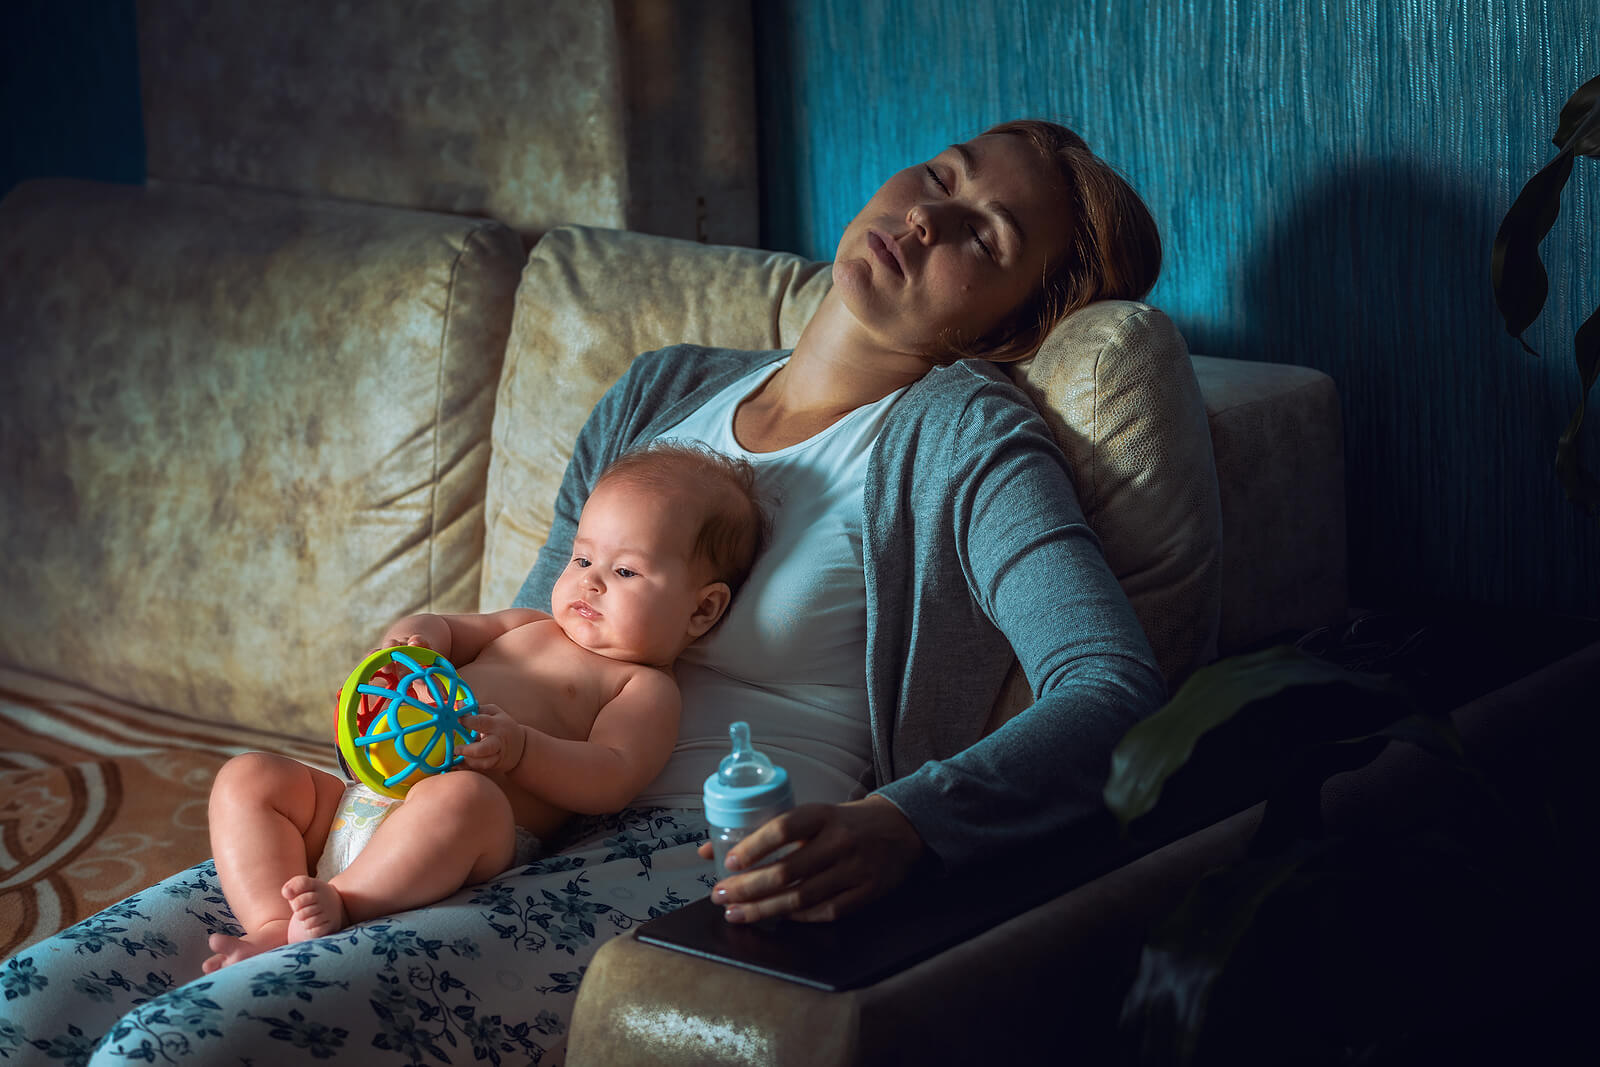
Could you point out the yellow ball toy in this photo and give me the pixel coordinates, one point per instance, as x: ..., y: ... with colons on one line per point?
x: 398, y: 718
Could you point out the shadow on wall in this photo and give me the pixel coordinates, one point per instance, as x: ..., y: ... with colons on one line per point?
x: 1378, y: 275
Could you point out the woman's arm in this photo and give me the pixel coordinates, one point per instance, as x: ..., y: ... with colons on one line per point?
x: 1035, y: 571
x: 1011, y: 527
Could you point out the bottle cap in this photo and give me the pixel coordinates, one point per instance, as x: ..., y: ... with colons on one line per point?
x: 747, y: 789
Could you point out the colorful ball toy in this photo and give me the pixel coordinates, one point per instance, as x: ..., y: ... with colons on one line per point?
x: 398, y: 718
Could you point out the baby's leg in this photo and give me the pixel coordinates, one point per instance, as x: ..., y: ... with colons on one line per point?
x: 453, y: 829
x: 269, y: 819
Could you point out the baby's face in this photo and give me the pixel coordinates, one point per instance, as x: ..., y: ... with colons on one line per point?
x: 630, y: 591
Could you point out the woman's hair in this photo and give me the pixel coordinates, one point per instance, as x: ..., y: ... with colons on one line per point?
x: 734, y: 526
x: 1114, y: 252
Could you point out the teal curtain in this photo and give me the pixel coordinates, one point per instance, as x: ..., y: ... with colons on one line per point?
x: 1328, y: 177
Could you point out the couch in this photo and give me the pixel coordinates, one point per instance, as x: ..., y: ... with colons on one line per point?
x: 325, y: 367
x: 243, y: 430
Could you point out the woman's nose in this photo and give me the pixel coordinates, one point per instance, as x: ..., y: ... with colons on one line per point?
x: 922, y: 222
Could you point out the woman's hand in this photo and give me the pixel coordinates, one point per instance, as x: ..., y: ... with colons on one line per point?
x: 500, y: 743
x: 847, y: 855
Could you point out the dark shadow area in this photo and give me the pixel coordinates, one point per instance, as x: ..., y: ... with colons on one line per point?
x: 1379, y: 275
x: 778, y: 134
x: 69, y: 92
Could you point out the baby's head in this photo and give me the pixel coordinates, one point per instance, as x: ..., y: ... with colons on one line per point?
x: 666, y: 538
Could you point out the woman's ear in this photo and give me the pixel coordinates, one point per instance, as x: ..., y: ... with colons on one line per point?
x: 714, y: 598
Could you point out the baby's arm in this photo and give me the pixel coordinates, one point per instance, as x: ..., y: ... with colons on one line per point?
x: 458, y: 638
x: 628, y: 746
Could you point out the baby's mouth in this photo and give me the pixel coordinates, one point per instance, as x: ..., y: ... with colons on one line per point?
x: 582, y: 608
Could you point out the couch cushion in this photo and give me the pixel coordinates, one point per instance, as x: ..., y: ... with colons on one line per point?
x: 1128, y: 409
x: 591, y: 300
x: 1116, y: 385
x: 243, y: 432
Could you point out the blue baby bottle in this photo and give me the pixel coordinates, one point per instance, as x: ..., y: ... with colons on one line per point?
x: 746, y: 791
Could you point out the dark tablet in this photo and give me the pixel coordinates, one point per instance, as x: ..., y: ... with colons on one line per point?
x: 901, y: 930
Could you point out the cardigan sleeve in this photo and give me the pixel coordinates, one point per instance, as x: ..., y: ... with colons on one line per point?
x: 1034, y: 571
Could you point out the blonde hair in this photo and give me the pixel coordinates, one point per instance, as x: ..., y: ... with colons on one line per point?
x: 734, y: 526
x: 1114, y: 252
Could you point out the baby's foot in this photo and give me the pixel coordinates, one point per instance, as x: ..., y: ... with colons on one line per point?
x: 226, y: 950
x: 317, y: 908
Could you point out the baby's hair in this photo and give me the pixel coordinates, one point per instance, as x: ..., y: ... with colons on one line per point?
x: 734, y: 525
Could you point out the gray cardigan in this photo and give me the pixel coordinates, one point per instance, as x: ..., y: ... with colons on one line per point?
x: 975, y: 547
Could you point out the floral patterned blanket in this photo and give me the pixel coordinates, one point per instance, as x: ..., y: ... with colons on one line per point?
x: 98, y: 800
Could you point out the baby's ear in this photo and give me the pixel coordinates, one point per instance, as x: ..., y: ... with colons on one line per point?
x: 714, y: 598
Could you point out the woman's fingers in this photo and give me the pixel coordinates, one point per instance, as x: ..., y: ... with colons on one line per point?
x: 845, y: 855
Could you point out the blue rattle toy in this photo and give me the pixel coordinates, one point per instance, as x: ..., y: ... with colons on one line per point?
x: 390, y: 738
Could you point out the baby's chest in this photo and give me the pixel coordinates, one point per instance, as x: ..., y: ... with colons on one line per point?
x: 547, y: 690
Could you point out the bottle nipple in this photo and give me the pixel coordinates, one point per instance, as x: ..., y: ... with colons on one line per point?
x: 744, y: 766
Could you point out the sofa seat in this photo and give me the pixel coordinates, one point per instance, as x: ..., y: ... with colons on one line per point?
x: 100, y: 798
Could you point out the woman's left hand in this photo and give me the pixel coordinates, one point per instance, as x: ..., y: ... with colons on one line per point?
x: 846, y: 855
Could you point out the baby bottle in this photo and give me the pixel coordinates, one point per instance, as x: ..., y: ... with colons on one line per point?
x: 746, y: 791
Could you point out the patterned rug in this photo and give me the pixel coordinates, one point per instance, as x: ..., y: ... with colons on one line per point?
x: 99, y: 799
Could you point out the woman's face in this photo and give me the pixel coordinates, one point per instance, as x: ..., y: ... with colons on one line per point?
x: 947, y: 249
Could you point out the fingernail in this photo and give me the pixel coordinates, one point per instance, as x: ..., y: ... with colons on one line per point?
x: 733, y: 863
x: 719, y: 895
x: 735, y: 914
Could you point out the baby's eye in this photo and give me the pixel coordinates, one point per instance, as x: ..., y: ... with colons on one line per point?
x: 936, y: 179
x: 623, y: 572
x: 579, y: 561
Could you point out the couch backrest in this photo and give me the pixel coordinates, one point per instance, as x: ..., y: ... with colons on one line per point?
x: 242, y: 433
x: 625, y: 113
x: 1115, y: 378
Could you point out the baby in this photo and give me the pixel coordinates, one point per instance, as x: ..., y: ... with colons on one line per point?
x: 578, y: 711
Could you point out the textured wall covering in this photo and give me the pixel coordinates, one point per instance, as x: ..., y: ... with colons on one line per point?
x: 625, y: 113
x: 1328, y: 176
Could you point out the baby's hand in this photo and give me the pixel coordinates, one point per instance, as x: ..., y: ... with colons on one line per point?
x: 414, y: 640
x: 500, y: 742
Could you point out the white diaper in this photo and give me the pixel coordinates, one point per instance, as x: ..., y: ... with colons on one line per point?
x: 361, y: 810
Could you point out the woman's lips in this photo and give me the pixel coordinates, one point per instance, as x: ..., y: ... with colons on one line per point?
x: 883, y: 248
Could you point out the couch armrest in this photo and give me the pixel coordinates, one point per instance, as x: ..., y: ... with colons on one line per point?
x: 1067, y: 961
x: 1057, y: 973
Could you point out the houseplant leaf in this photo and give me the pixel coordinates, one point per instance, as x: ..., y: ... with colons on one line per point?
x: 1294, y: 700
x: 1581, y: 486
x: 1518, y: 275
x: 1581, y: 112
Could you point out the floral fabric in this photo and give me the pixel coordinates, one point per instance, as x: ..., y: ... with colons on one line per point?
x: 488, y: 975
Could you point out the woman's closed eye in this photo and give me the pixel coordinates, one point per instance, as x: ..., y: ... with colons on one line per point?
x: 979, y: 241
x: 977, y: 238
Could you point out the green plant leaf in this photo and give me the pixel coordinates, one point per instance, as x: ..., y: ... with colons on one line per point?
x: 1515, y: 270
x: 1580, y: 116
x: 1157, y: 748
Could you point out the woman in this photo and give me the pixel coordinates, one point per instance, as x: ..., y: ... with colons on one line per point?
x: 925, y: 525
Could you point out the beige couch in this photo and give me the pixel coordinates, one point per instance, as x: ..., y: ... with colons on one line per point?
x: 244, y: 430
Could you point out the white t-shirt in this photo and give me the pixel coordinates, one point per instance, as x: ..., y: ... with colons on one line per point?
x: 790, y: 656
